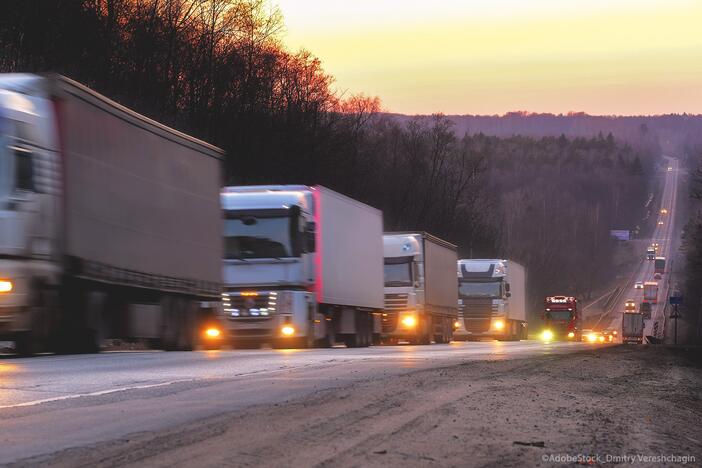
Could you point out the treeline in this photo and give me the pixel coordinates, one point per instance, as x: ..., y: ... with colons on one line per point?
x: 669, y: 134
x: 691, y: 285
x: 219, y: 70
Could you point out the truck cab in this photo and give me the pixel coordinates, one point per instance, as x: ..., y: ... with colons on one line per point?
x: 491, y: 300
x: 561, y: 318
x: 268, y: 269
x: 29, y: 186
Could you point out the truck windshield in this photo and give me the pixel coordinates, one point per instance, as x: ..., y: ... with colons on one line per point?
x: 398, y: 271
x: 466, y: 289
x: 248, y: 236
x: 559, y: 315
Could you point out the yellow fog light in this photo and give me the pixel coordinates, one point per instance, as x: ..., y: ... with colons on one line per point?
x: 499, y: 324
x: 5, y: 286
x: 591, y: 337
x: 547, y: 335
x: 212, y: 332
x: 601, y: 338
x: 288, y: 330
x: 409, y: 321
x: 456, y: 324
x: 571, y: 335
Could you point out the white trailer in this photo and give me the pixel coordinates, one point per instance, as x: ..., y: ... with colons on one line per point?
x: 420, y: 288
x: 303, y: 266
x: 650, y: 292
x: 632, y: 327
x: 109, y: 221
x: 491, y: 300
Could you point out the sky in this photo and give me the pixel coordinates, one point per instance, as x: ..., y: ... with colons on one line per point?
x: 624, y: 57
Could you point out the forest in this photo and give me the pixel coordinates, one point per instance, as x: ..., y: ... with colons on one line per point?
x: 219, y: 69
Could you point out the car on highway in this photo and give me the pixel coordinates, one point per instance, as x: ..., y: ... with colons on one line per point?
x: 664, y: 211
x: 592, y: 336
x: 609, y: 335
x: 638, y: 285
x: 660, y: 223
x: 645, y: 309
x: 670, y: 169
x: 657, y: 276
x: 630, y: 305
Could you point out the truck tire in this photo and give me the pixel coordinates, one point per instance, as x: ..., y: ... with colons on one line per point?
x: 171, y: 312
x: 42, y: 328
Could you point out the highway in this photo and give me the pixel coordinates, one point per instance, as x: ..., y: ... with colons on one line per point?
x: 663, y: 234
x: 52, y: 403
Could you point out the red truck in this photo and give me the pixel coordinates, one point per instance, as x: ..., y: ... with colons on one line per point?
x: 561, y: 319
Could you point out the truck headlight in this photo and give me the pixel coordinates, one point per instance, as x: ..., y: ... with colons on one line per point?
x: 6, y: 286
x: 409, y: 321
x: 499, y: 324
x: 288, y: 330
x: 547, y: 335
x: 591, y: 337
x: 456, y: 324
x: 212, y: 332
x: 571, y: 335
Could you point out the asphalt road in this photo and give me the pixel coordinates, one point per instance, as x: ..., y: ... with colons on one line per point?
x: 664, y: 235
x: 52, y: 403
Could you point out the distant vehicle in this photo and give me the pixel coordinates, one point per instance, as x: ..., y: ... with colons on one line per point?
x: 670, y: 169
x: 657, y: 276
x: 303, y: 267
x: 561, y: 318
x: 664, y: 211
x: 630, y: 305
x: 421, y: 298
x: 632, y: 327
x: 592, y: 336
x: 645, y: 308
x: 660, y: 223
x: 659, y: 266
x: 491, y: 300
x: 656, y: 246
x: 110, y: 222
x: 638, y: 285
x: 651, y: 292
x: 650, y: 253
x: 609, y: 335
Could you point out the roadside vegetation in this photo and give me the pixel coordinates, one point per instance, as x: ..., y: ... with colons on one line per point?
x: 219, y: 69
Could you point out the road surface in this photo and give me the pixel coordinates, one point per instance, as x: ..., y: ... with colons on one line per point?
x: 52, y: 403
x: 664, y: 235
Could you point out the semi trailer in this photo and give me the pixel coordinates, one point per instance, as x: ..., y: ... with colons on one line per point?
x: 632, y: 327
x: 110, y: 225
x: 303, y: 267
x: 491, y: 300
x: 420, y: 288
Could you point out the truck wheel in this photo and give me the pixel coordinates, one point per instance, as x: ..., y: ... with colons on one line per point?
x: 170, y: 327
x: 94, y: 330
x: 187, y: 325
x: 37, y: 339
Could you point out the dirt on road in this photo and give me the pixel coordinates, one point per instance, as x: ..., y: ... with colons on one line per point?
x: 622, y: 405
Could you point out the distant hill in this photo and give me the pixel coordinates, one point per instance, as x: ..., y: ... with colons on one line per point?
x: 671, y: 134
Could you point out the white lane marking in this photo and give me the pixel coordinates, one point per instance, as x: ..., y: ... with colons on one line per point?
x: 98, y: 393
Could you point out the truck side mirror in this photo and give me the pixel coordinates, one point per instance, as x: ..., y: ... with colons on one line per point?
x: 310, y: 237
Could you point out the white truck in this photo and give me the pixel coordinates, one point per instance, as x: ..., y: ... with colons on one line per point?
x: 632, y: 327
x: 420, y: 288
x: 303, y: 267
x: 110, y: 225
x: 491, y: 300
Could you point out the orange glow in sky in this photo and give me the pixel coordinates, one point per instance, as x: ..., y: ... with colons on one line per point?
x: 494, y: 56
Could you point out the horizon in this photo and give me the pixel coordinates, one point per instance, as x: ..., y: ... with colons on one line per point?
x: 631, y: 58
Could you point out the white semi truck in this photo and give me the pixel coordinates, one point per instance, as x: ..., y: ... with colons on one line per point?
x: 420, y: 288
x: 110, y: 225
x: 491, y: 300
x: 303, y: 267
x: 632, y: 327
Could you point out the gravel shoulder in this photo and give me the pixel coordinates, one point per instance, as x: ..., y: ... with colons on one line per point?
x: 609, y: 402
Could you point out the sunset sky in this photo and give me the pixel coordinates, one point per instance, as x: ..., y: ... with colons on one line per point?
x: 494, y: 56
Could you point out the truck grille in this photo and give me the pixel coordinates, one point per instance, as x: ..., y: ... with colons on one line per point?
x: 477, y: 314
x: 395, y: 302
x: 237, y: 305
